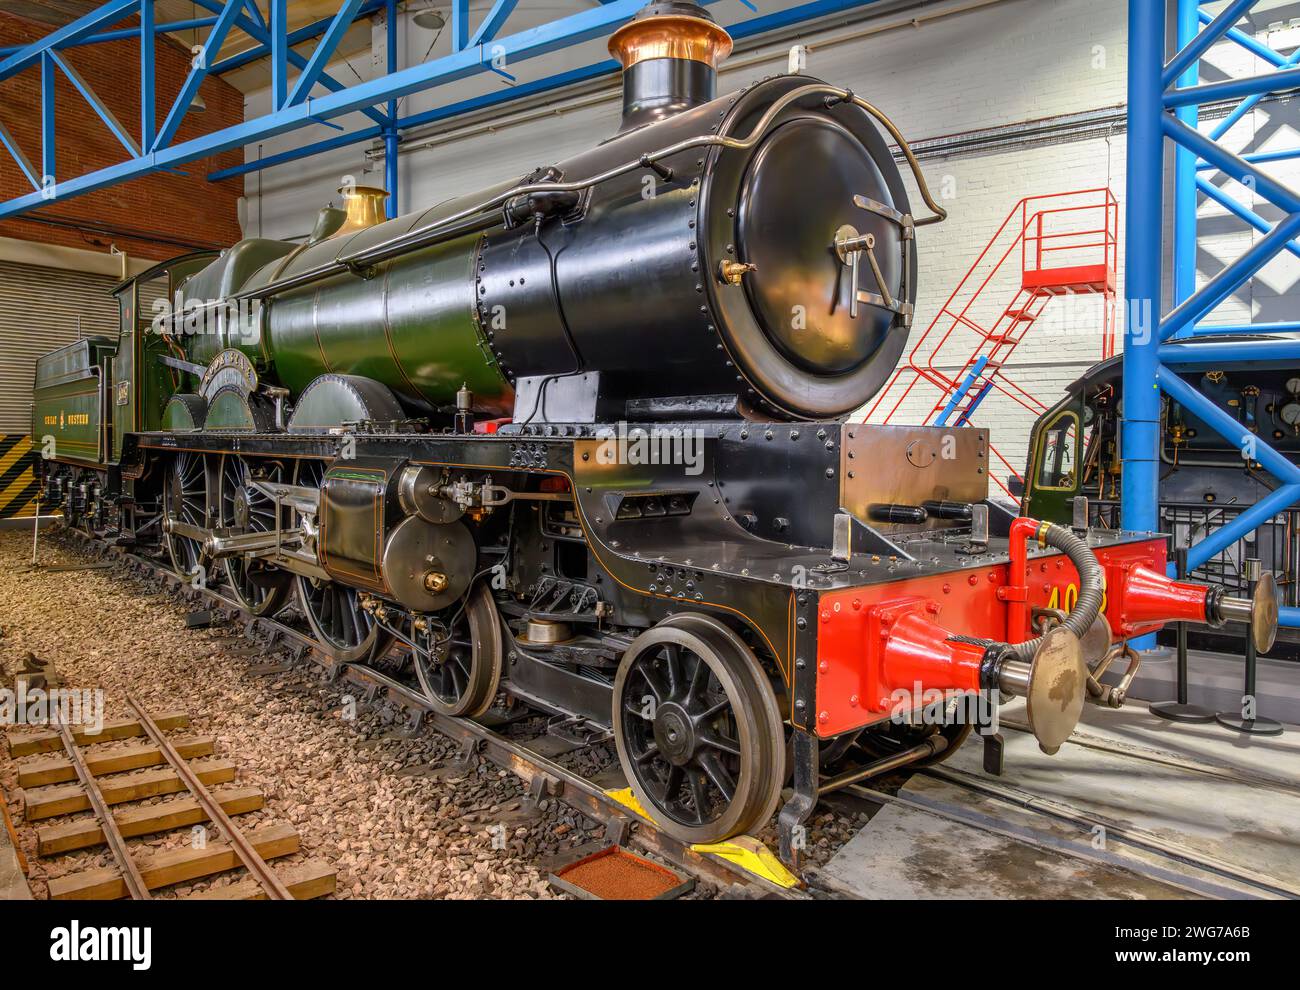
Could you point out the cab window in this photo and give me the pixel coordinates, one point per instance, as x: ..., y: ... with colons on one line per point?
x: 1058, y: 454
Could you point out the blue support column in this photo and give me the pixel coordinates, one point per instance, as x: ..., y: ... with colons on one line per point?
x: 99, y: 106
x: 147, y: 97
x: 1235, y: 89
x: 1226, y: 329
x: 211, y: 45
x: 459, y: 25
x: 1141, y: 428
x: 164, y: 152
x: 1230, y: 279
x: 48, y: 156
x: 107, y: 13
x: 19, y: 156
x: 279, y: 29
x: 1197, y: 44
x: 1185, y: 190
x: 304, y: 33
x: 325, y: 48
x: 390, y: 131
x: 1237, y: 210
x: 492, y: 22
x: 126, y: 34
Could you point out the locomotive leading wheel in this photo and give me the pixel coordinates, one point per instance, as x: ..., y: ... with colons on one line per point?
x: 185, y: 499
x: 343, y: 628
x: 698, y: 730
x: 462, y: 674
x: 261, y: 589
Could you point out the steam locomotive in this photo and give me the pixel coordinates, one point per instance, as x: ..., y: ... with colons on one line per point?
x: 581, y: 441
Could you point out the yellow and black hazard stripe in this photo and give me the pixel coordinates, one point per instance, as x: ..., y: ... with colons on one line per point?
x: 18, y: 485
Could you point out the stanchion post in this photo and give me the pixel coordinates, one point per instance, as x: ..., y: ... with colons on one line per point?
x: 1248, y: 720
x: 1180, y: 710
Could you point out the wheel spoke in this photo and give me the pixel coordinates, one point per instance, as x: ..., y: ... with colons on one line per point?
x: 719, y: 775
x: 709, y: 738
x: 672, y: 784
x: 699, y: 794
x: 712, y: 710
x: 325, y: 612
x: 636, y: 706
x: 660, y: 691
x: 673, y: 664
x: 699, y: 679
x: 457, y: 684
x: 350, y: 630
x: 649, y: 753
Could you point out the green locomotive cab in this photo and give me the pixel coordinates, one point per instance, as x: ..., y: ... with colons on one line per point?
x: 148, y: 366
x: 1074, y: 447
x: 89, y: 395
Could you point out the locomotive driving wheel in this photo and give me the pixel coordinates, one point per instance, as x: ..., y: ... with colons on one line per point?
x: 698, y: 730
x: 242, y: 506
x: 345, y: 630
x: 185, y: 499
x: 461, y: 671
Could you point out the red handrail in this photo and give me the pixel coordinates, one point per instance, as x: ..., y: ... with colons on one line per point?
x: 1068, y: 242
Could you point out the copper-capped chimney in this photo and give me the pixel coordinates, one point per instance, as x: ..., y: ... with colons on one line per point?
x: 670, y: 53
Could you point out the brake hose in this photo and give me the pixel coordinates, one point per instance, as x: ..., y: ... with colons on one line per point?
x: 1091, y: 580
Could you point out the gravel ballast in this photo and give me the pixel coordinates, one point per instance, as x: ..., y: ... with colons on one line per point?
x: 396, y: 817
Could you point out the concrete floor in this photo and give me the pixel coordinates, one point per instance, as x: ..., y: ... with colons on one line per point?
x: 1187, y: 811
x: 1215, y: 681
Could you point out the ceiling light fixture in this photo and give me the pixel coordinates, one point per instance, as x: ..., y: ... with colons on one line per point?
x: 431, y: 19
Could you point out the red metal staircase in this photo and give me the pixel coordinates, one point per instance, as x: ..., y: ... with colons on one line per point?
x: 1063, y: 244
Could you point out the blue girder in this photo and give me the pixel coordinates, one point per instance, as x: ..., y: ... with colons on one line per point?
x: 475, y: 50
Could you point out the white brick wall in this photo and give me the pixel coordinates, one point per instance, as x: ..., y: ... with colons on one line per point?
x: 1013, y: 62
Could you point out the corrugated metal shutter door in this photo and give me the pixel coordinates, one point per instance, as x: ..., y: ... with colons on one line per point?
x: 39, y: 308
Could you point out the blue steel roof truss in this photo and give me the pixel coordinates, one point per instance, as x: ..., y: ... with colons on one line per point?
x: 475, y: 49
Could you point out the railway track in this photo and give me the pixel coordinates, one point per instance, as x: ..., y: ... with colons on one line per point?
x: 63, y: 772
x: 1016, y: 813
x: 542, y: 777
